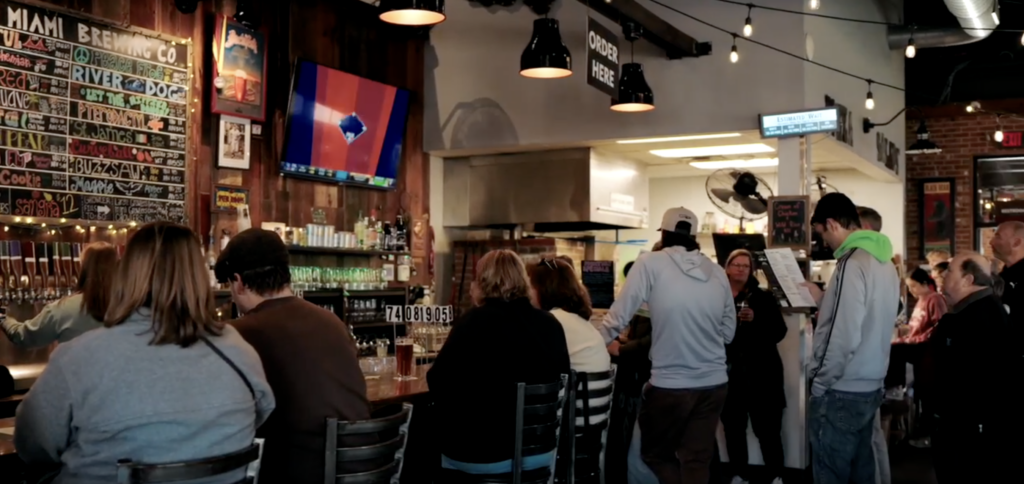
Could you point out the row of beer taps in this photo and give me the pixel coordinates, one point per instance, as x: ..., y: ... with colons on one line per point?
x: 38, y: 271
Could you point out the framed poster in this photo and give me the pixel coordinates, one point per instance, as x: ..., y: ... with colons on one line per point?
x: 789, y: 222
x: 239, y: 70
x: 233, y: 143
x: 230, y: 198
x: 937, y: 215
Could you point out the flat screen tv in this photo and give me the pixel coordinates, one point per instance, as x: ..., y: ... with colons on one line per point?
x: 342, y: 128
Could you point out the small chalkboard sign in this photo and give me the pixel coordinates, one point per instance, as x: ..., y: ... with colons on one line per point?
x: 789, y: 222
x: 599, y: 279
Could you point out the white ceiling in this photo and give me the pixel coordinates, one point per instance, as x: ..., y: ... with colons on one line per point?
x: 826, y: 154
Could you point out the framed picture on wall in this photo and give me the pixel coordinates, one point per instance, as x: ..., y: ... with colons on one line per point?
x: 239, y: 70
x: 233, y: 143
x: 937, y: 215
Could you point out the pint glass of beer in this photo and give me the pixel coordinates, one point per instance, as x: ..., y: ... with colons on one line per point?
x: 403, y: 359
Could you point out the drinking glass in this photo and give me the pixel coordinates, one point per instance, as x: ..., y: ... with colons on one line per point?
x: 403, y: 356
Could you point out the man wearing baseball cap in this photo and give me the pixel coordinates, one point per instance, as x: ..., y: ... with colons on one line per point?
x: 856, y: 314
x: 307, y: 352
x: 693, y: 317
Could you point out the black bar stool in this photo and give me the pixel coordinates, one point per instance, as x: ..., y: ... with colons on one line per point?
x: 129, y: 472
x: 382, y: 460
x: 544, y: 413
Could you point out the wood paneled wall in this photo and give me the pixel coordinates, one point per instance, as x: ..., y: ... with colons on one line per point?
x: 343, y: 34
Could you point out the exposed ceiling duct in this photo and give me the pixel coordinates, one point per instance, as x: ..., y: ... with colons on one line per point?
x: 977, y: 20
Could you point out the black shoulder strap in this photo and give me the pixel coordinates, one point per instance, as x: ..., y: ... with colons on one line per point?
x: 230, y: 363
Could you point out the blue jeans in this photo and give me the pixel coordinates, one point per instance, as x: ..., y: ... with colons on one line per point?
x: 529, y: 463
x: 841, y: 426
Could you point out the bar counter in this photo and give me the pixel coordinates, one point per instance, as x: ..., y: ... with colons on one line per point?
x: 381, y: 390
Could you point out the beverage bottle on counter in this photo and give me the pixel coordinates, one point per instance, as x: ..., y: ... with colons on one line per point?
x: 372, y: 232
x: 400, y: 235
x: 360, y: 230
x: 389, y: 236
x: 378, y: 237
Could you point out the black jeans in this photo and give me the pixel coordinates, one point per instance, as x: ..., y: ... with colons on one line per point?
x: 965, y: 453
x: 766, y: 419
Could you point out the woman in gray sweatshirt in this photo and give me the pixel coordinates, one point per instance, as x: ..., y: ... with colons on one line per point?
x: 162, y: 382
x: 63, y: 320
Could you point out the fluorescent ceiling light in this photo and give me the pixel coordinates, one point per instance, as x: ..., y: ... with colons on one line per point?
x: 678, y: 138
x: 726, y: 150
x: 717, y: 165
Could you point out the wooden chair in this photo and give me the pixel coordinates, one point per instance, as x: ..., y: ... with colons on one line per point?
x: 593, y: 403
x: 129, y: 472
x: 382, y: 459
x: 543, y: 414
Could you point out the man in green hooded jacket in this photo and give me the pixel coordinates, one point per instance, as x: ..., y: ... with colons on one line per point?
x: 851, y: 344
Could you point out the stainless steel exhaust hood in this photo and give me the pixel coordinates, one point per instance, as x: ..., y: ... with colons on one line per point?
x: 570, y: 190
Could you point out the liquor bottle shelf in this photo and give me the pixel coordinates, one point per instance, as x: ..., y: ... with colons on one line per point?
x: 334, y: 293
x: 300, y: 249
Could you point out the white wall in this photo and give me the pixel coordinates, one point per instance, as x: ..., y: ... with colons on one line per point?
x: 475, y: 97
x: 689, y: 192
x: 870, y: 58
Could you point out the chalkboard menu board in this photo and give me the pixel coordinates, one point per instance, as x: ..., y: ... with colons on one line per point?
x: 92, y: 119
x: 789, y: 222
x: 599, y: 279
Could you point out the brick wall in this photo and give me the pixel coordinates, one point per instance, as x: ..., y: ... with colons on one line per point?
x: 466, y: 253
x: 962, y: 138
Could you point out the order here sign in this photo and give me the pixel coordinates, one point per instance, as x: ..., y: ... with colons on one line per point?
x: 602, y: 58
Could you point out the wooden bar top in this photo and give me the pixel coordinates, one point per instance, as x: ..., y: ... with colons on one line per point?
x: 381, y: 390
x: 384, y: 389
x: 6, y: 439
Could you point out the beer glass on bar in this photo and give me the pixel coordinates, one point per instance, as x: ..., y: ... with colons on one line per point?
x: 405, y: 366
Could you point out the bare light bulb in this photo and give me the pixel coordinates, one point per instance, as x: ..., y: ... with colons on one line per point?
x: 734, y: 56
x: 748, y: 28
x: 911, y: 49
x: 814, y: 4
x: 869, y: 103
x: 998, y: 136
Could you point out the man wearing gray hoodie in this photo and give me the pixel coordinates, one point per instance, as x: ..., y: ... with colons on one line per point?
x: 851, y: 344
x: 693, y: 317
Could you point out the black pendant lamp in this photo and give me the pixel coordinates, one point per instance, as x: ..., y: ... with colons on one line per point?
x: 413, y: 13
x: 635, y: 95
x: 545, y: 57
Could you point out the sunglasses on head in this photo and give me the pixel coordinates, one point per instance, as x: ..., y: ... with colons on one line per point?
x: 550, y: 263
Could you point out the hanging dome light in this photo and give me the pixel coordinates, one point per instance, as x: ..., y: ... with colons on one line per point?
x: 545, y: 57
x: 413, y: 13
x: 634, y: 94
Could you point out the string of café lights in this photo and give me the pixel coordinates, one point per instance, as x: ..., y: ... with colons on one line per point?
x: 869, y: 101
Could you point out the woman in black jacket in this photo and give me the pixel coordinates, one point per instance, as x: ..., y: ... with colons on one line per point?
x: 502, y: 341
x: 755, y: 372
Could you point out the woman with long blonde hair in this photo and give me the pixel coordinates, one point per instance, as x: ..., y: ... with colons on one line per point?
x: 69, y: 317
x: 502, y: 341
x: 162, y: 382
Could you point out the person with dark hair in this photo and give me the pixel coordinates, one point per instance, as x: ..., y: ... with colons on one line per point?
x: 972, y: 441
x: 555, y: 288
x: 693, y: 318
x: 162, y: 382
x: 852, y: 340
x: 631, y: 354
x: 756, y: 392
x: 930, y: 308
x: 69, y: 317
x: 293, y: 337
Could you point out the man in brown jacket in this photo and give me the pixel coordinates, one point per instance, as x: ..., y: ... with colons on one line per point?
x: 307, y: 352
